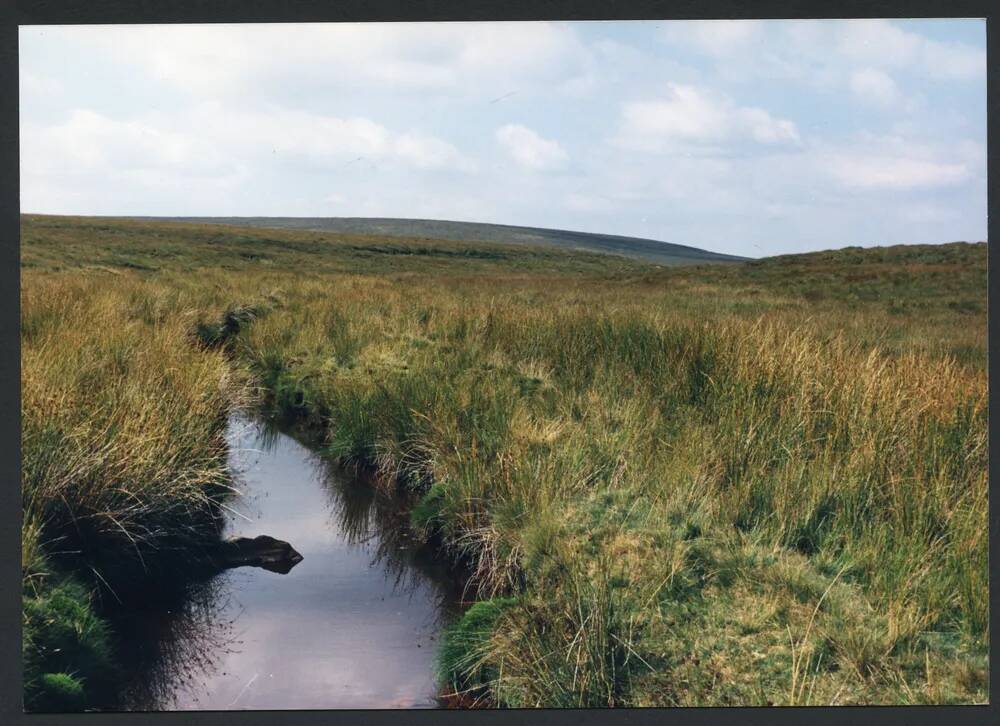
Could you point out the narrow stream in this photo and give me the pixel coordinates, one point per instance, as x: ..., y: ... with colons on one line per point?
x: 356, y: 624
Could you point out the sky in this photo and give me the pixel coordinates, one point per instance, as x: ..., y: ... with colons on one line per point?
x: 744, y: 137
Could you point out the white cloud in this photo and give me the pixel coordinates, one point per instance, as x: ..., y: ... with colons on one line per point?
x: 699, y: 116
x: 880, y: 43
x: 427, y: 152
x: 954, y: 61
x: 529, y: 149
x: 895, y: 173
x: 716, y: 37
x: 92, y: 163
x: 291, y: 132
x: 201, y: 152
x: 89, y: 141
x: 764, y: 128
x: 877, y: 42
x: 233, y: 59
x: 874, y: 86
x: 210, y: 138
x: 688, y: 115
x: 895, y: 163
x: 826, y: 54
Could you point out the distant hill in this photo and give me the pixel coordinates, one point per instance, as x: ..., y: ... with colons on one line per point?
x: 648, y: 250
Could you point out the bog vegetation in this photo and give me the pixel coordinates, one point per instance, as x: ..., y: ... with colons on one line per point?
x: 750, y: 484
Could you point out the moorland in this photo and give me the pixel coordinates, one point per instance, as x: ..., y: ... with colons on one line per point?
x: 758, y: 483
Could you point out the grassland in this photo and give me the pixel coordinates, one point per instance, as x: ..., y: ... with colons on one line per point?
x: 646, y: 250
x: 746, y: 484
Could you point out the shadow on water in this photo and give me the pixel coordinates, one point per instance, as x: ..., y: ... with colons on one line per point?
x: 354, y: 625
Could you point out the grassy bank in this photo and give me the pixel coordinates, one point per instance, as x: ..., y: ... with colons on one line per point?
x: 750, y: 484
x: 124, y: 462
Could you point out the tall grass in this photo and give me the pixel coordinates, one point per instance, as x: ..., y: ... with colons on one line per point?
x: 123, y: 418
x: 124, y: 457
x: 509, y: 416
x: 672, y: 487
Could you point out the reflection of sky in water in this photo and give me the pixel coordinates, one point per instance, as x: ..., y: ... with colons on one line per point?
x: 354, y: 625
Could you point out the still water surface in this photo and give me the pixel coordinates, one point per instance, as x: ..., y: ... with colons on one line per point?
x: 356, y: 624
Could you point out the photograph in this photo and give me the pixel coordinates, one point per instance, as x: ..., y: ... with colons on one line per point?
x: 508, y: 364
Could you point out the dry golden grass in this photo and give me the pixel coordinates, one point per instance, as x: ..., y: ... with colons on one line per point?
x: 684, y: 487
x: 122, y: 416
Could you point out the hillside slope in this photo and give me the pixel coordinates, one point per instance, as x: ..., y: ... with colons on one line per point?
x: 661, y: 253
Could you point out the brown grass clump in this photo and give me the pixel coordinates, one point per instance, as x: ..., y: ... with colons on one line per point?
x: 122, y: 420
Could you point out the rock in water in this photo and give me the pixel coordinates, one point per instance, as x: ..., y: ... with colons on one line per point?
x: 262, y: 551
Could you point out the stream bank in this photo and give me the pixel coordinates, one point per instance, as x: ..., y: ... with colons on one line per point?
x: 355, y: 624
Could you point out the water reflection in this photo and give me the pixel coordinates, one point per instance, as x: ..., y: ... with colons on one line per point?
x: 373, y: 521
x: 354, y: 625
x: 175, y: 643
x: 376, y: 523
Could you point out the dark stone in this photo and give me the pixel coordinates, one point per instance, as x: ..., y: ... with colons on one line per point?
x: 261, y: 551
